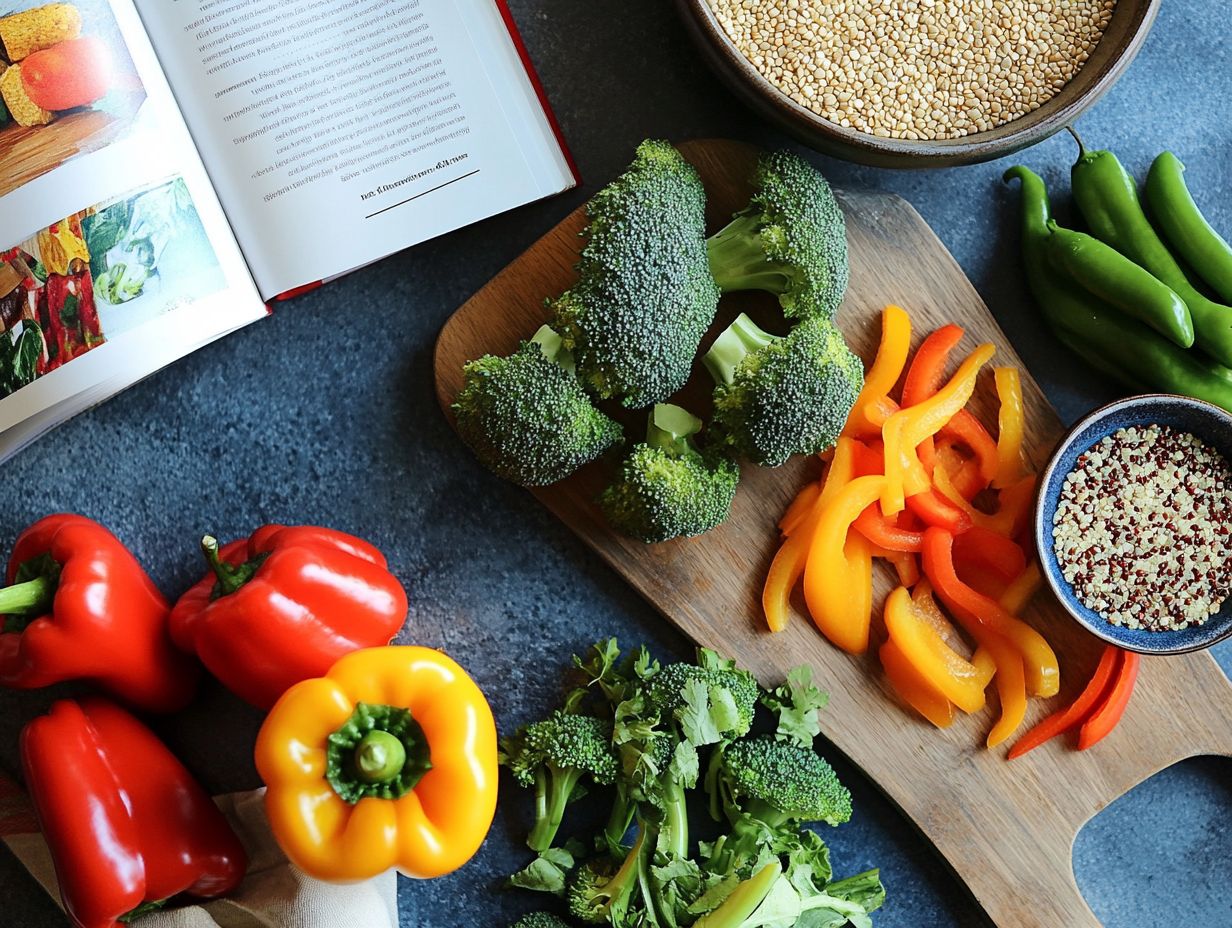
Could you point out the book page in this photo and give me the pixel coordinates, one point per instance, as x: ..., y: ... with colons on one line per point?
x: 115, y: 255
x: 339, y: 131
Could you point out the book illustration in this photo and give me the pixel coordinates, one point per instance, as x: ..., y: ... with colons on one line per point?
x: 99, y: 273
x: 67, y: 86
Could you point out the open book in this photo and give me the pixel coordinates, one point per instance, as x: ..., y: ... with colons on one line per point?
x: 168, y: 166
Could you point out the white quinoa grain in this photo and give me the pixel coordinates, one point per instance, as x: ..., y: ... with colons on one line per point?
x: 917, y: 69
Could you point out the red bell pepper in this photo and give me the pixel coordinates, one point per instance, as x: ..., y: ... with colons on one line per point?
x: 79, y: 607
x: 1101, y: 721
x: 284, y: 606
x: 933, y: 509
x: 128, y: 827
x: 986, y: 550
x: 1061, y: 721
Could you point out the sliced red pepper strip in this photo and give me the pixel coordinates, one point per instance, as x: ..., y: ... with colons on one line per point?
x: 989, y: 551
x: 1076, y: 712
x: 1106, y: 717
x: 976, y: 610
x: 868, y: 458
x: 968, y: 430
x: 885, y: 533
x: 935, y: 510
x: 925, y: 375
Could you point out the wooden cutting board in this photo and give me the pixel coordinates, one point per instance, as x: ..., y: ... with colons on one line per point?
x: 1007, y: 829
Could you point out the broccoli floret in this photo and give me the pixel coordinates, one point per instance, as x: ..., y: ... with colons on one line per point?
x: 600, y: 890
x: 779, y: 396
x: 790, y: 240
x: 667, y: 689
x: 644, y: 296
x: 540, y: 920
x: 776, y: 782
x: 666, y: 487
x: 526, y: 416
x: 553, y: 756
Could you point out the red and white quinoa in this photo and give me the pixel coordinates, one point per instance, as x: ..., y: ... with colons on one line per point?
x: 1143, y: 529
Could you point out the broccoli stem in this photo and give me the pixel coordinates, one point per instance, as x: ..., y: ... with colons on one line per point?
x: 730, y: 348
x: 618, y: 822
x: 744, y: 899
x: 553, y: 788
x: 552, y: 346
x: 738, y: 259
x: 763, y: 811
x: 668, y: 427
x: 675, y: 819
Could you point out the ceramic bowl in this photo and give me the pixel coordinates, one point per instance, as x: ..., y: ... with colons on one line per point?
x: 1127, y: 30
x: 1210, y: 424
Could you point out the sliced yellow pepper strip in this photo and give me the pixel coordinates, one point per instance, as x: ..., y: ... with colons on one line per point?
x: 1011, y: 684
x: 870, y: 408
x: 788, y: 563
x: 914, y: 689
x: 926, y: 606
x: 1009, y: 426
x: 800, y: 508
x: 838, y: 574
x: 903, y: 431
x: 1018, y: 594
x: 947, y: 671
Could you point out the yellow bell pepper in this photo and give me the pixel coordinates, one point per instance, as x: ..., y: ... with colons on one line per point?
x: 903, y: 432
x: 1010, y: 421
x: 788, y: 563
x: 873, y: 404
x: 927, y: 608
x: 389, y: 760
x: 838, y: 578
x: 950, y: 674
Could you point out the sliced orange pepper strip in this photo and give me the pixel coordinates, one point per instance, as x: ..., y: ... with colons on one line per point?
x: 837, y: 576
x: 977, y: 611
x: 944, y: 668
x: 870, y: 409
x: 800, y: 507
x: 1009, y: 426
x: 964, y: 472
x: 989, y: 551
x: 904, y: 431
x: 915, y: 691
x: 1078, y: 711
x: 1106, y: 717
x: 904, y: 562
x: 788, y: 563
x: 1014, y: 504
x: 968, y: 430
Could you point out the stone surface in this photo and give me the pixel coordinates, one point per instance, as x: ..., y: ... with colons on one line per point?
x: 325, y: 413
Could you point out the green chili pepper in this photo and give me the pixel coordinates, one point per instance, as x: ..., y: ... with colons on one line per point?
x: 1121, y: 348
x: 1108, y: 199
x: 1109, y: 275
x: 1184, y: 226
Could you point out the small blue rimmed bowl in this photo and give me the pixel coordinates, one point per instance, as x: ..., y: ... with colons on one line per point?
x: 1213, y: 426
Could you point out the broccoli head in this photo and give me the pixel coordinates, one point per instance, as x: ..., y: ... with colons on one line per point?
x: 779, y: 396
x: 527, y: 417
x: 776, y: 782
x: 644, y: 295
x: 790, y: 240
x: 600, y: 890
x: 726, y: 684
x: 666, y: 487
x: 554, y: 756
x: 540, y: 920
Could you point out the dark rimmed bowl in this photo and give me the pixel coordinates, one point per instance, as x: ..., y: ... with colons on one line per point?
x: 1127, y: 30
x: 1209, y: 423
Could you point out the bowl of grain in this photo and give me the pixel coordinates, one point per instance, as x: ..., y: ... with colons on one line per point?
x: 1134, y: 523
x: 920, y: 83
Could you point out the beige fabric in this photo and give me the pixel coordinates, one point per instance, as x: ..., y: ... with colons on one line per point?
x: 274, y: 894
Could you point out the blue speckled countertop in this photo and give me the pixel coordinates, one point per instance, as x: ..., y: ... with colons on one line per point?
x: 326, y: 413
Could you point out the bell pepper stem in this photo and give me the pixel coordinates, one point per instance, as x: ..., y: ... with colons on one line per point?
x: 230, y: 576
x: 379, y: 757
x: 33, y: 596
x: 1082, y: 149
